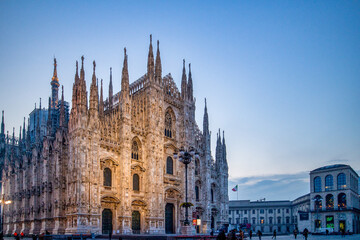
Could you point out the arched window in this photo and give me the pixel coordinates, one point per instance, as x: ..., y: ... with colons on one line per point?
x: 329, y: 201
x: 342, y: 200
x: 136, y: 183
x: 329, y: 183
x: 135, y: 150
x: 317, y: 184
x: 212, y: 195
x: 197, y: 167
x: 168, y: 124
x: 318, y: 202
x: 341, y: 181
x: 197, y: 193
x: 107, y: 177
x: 169, y: 165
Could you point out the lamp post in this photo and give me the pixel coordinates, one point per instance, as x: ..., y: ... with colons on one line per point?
x: 186, y: 157
x: 3, y: 203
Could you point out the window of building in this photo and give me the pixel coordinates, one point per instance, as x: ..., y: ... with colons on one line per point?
x: 341, y: 181
x: 329, y: 183
x: 230, y: 221
x: 317, y: 184
x: 253, y: 211
x: 270, y: 211
x: 237, y: 211
x: 135, y: 151
x: 212, y: 195
x: 287, y: 220
x: 329, y: 201
x: 278, y: 210
x: 262, y: 211
x: 317, y: 202
x: 197, y: 193
x: 279, y: 220
x: 237, y: 220
x: 168, y: 125
x: 342, y: 201
x: 197, y: 167
x: 245, y: 211
x: 253, y: 220
x: 136, y: 182
x: 107, y: 177
x: 287, y: 210
x: 330, y: 221
x: 262, y: 220
x: 270, y: 220
x: 169, y: 165
x: 246, y: 220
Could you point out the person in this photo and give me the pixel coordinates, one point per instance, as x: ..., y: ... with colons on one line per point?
x: 259, y: 233
x: 221, y: 235
x: 232, y: 235
x: 250, y: 234
x: 305, y: 233
x: 241, y: 235
x: 295, y: 233
x: 274, y: 234
x: 212, y: 232
x: 342, y: 232
x: 1, y: 235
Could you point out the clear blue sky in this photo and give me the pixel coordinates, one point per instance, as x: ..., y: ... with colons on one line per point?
x: 282, y: 78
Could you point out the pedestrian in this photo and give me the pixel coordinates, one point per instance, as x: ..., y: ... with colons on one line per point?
x: 232, y: 235
x: 305, y: 233
x: 342, y: 232
x: 259, y: 233
x: 241, y: 235
x: 221, y: 235
x: 250, y: 234
x: 295, y: 232
x: 274, y: 234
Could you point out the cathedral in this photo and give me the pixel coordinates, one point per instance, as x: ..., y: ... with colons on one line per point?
x: 107, y: 164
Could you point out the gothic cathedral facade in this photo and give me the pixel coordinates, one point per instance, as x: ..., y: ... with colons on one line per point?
x: 109, y: 165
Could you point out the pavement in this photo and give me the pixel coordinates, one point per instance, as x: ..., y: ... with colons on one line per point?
x: 282, y: 237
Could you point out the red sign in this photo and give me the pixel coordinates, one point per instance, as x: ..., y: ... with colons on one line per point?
x: 194, y: 222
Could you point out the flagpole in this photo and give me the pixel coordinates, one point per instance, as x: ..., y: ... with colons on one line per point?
x: 237, y: 192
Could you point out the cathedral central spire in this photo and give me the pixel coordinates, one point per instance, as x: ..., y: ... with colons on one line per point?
x: 125, y: 75
x: 54, y: 87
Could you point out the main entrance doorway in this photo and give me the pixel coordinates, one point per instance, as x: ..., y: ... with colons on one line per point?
x: 135, y: 222
x: 169, y: 218
x: 106, y: 221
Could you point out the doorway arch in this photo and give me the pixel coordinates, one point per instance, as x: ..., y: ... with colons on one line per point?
x: 169, y: 218
x: 106, y: 221
x: 135, y: 222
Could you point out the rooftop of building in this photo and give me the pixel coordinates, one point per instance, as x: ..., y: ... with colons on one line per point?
x: 262, y: 203
x: 333, y: 168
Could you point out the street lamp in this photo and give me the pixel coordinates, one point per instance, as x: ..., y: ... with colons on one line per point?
x: 185, y: 157
x: 3, y: 203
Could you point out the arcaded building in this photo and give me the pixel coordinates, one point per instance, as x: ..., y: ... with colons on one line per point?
x: 107, y: 164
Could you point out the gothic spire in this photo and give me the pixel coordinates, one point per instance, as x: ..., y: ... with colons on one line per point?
x: 54, y: 87
x: 62, y: 120
x: 94, y: 97
x: 28, y: 139
x: 23, y: 135
x: 224, y: 149
x: 183, y: 82
x: 101, y: 104
x: 125, y: 76
x: 82, y: 72
x: 158, y: 65
x: 190, y: 85
x: 37, y: 136
x: 2, y: 124
x: 110, y: 90
x: 150, y: 63
x: 206, y: 121
x: 49, y: 122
